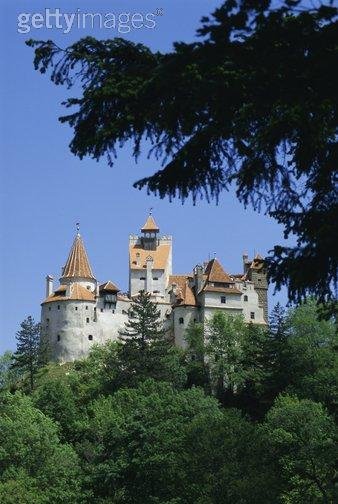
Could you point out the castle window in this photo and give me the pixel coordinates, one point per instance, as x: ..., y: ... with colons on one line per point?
x: 156, y: 291
x: 88, y: 287
x: 181, y: 320
x: 259, y: 279
x: 113, y: 311
x: 58, y: 307
x: 75, y: 308
x: 245, y: 297
x: 101, y: 310
x: 155, y: 278
x: 223, y: 299
x: 86, y: 307
x: 87, y: 320
x: 58, y: 337
x: 142, y: 278
x: 49, y: 308
x: 252, y: 315
x: 90, y: 337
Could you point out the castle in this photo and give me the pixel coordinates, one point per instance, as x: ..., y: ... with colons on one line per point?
x: 81, y: 312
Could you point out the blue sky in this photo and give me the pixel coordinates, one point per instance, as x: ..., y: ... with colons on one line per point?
x: 45, y: 190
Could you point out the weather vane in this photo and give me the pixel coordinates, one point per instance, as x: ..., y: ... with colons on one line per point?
x: 77, y: 226
x: 151, y: 210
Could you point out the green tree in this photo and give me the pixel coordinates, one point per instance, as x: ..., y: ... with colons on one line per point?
x: 312, y: 355
x: 136, y: 443
x: 235, y: 353
x: 55, y: 398
x: 300, y: 440
x: 247, y: 105
x: 35, y: 468
x: 144, y: 325
x: 224, y: 353
x: 197, y: 366
x: 26, y: 357
x: 8, y: 375
x: 225, y: 462
x: 146, y: 351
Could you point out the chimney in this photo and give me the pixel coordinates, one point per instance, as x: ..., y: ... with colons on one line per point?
x: 49, y: 285
x: 138, y: 262
x: 149, y: 277
x: 246, y: 262
x: 198, y: 273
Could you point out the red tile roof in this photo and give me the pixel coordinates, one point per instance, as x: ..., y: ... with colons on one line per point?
x: 109, y: 286
x: 185, y: 294
x: 160, y: 256
x: 77, y: 264
x: 215, y: 273
x: 150, y: 225
x: 225, y: 290
x: 77, y: 293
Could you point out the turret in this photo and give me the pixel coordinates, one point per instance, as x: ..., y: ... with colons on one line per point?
x: 68, y: 316
x: 49, y: 285
x: 149, y: 233
x: 150, y: 260
x: 256, y: 273
x: 77, y: 268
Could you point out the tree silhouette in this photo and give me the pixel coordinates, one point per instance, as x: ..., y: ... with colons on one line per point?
x: 26, y: 357
x: 252, y: 104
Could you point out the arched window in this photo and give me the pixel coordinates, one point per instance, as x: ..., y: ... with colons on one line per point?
x: 181, y: 320
x: 90, y: 337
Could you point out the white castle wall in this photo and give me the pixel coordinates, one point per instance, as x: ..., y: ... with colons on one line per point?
x: 67, y: 325
x: 188, y: 314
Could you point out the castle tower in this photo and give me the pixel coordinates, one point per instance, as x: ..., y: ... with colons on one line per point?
x: 255, y: 271
x: 68, y: 314
x: 77, y: 268
x: 150, y: 261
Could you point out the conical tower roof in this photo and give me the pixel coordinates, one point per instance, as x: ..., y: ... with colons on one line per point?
x: 150, y: 225
x: 77, y: 264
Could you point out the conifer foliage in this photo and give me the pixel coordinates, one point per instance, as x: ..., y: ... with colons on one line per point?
x: 252, y: 105
x: 144, y: 324
x: 146, y: 352
x: 27, y: 355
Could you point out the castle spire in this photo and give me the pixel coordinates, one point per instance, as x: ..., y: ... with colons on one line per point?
x: 77, y: 264
x: 150, y: 225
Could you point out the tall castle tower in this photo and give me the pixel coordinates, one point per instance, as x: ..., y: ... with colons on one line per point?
x: 68, y: 312
x: 150, y: 261
x: 80, y: 312
x: 255, y: 272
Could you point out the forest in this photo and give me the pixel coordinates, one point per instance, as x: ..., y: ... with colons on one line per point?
x: 244, y: 414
